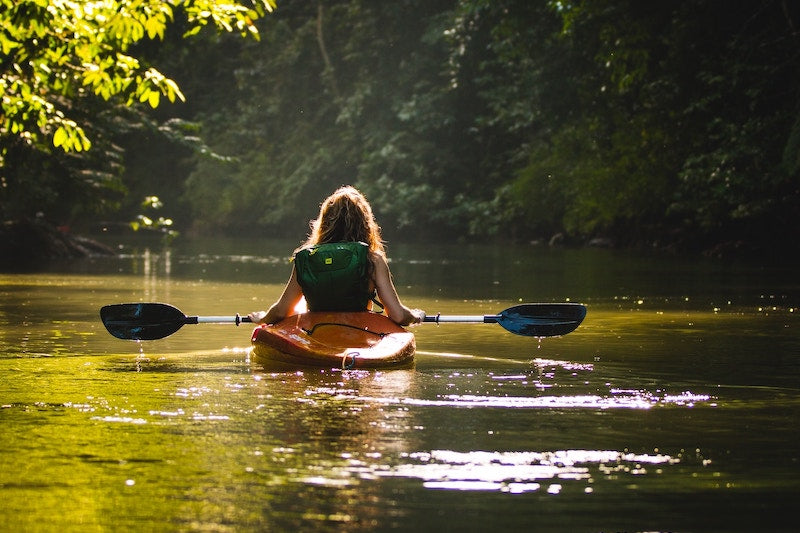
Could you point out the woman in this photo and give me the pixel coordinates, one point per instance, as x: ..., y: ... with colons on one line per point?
x: 345, y: 231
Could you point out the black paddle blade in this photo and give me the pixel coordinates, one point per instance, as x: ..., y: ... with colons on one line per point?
x: 142, y: 321
x: 542, y: 320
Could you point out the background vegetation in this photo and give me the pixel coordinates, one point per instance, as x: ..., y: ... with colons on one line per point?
x: 666, y: 123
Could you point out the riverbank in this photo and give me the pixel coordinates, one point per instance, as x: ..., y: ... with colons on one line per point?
x: 25, y: 243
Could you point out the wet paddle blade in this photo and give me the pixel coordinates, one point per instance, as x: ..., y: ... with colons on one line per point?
x: 542, y: 320
x: 142, y: 321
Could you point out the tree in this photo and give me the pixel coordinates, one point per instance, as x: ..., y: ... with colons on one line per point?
x: 70, y: 77
x: 355, y: 95
x: 685, y: 125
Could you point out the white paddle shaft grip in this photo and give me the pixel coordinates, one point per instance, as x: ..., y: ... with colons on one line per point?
x: 462, y: 318
x: 221, y: 319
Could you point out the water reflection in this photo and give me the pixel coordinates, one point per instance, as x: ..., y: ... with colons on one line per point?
x: 618, y: 399
x: 371, y: 421
x: 517, y: 472
x: 678, y: 403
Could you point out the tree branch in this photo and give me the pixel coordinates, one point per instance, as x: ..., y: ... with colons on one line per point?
x: 328, y: 72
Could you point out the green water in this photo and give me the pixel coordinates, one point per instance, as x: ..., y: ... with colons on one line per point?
x: 674, y: 407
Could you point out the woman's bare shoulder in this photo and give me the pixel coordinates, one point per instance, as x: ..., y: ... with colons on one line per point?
x: 377, y: 257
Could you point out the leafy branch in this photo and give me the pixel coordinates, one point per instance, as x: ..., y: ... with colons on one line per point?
x: 57, y: 51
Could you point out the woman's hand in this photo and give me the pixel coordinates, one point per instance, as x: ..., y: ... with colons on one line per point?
x: 419, y: 316
x: 257, y: 317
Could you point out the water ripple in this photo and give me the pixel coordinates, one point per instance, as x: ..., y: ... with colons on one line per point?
x: 619, y: 399
x: 511, y: 472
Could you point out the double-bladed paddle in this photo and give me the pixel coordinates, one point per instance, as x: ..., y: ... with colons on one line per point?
x: 531, y: 320
x: 150, y: 321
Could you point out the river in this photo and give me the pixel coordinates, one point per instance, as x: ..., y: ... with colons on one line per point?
x: 673, y: 407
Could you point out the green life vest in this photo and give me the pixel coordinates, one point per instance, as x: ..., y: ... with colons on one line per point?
x: 334, y: 276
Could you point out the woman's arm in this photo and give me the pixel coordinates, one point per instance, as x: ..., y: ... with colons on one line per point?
x: 285, y: 305
x: 387, y: 294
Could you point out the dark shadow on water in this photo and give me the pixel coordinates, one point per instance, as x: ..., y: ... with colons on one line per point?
x: 175, y: 365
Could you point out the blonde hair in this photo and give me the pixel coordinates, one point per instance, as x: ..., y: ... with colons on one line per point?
x: 346, y: 216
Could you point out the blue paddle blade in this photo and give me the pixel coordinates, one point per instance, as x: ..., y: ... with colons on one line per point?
x: 541, y: 320
x: 142, y: 321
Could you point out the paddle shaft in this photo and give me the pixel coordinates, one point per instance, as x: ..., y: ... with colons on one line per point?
x: 531, y: 320
x: 471, y: 319
x: 217, y: 319
x: 149, y: 321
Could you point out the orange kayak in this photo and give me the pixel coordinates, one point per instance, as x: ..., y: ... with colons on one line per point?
x: 334, y: 340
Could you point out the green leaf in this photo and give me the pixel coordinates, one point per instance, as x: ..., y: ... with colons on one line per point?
x: 60, y: 137
x: 173, y: 90
x: 153, y: 99
x: 193, y: 31
x: 154, y: 27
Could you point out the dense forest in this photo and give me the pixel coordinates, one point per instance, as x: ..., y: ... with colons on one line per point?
x: 670, y: 124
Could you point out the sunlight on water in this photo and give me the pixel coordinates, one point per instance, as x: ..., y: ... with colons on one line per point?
x: 517, y: 472
x: 452, y: 355
x: 669, y: 409
x: 119, y: 419
x: 541, y: 378
x: 510, y: 472
x: 620, y: 399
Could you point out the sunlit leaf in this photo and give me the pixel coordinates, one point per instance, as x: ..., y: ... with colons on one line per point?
x: 60, y: 137
x: 174, y: 91
x: 154, y: 28
x: 154, y: 98
x: 85, y: 142
x: 193, y: 31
